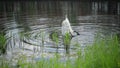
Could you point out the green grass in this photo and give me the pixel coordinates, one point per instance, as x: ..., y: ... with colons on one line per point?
x: 103, y: 53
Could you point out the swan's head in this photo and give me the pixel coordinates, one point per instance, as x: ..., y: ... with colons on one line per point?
x: 75, y: 33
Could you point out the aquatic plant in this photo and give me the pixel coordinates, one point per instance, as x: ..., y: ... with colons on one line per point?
x: 2, y: 43
x: 55, y: 38
x: 103, y: 53
x: 4, y: 64
x: 66, y: 41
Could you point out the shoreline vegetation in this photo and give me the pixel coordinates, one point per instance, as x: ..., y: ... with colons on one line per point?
x: 103, y: 53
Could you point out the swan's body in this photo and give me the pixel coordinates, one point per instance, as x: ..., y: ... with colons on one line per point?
x: 66, y: 28
x: 67, y: 34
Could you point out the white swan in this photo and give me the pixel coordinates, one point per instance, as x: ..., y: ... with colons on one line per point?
x: 66, y: 28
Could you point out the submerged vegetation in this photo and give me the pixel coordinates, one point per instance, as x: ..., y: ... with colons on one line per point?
x: 103, y: 53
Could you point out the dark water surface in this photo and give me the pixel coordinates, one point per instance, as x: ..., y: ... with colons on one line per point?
x: 28, y: 25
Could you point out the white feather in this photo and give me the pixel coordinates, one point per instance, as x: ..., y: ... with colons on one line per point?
x: 66, y: 27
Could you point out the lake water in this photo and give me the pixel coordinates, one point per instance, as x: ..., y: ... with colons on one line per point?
x: 29, y: 24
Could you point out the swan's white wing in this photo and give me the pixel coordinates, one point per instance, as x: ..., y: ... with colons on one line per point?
x: 65, y: 27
